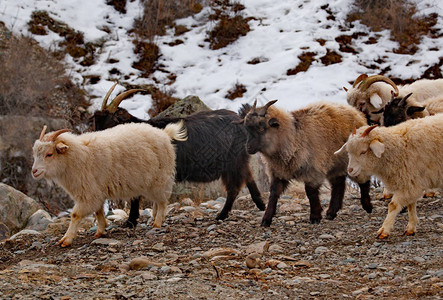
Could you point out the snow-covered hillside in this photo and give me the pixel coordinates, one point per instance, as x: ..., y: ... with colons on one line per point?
x: 280, y: 32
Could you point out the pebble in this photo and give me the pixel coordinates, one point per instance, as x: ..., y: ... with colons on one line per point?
x: 327, y: 236
x: 419, y: 259
x: 372, y: 266
x: 320, y: 250
x: 106, y: 242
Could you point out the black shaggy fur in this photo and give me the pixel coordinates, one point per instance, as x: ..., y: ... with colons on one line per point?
x: 215, y: 149
x: 397, y: 110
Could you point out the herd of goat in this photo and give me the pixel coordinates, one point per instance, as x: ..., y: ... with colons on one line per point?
x: 392, y: 132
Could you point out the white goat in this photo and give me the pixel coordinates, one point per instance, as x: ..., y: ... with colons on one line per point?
x: 408, y: 158
x: 118, y: 163
x: 370, y: 94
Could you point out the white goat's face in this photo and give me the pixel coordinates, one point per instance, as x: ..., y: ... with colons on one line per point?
x: 43, y: 153
x: 363, y: 151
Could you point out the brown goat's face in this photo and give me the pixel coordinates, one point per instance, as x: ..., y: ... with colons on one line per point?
x: 260, y: 132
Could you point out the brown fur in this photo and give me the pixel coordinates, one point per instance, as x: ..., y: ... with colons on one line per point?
x: 300, y: 145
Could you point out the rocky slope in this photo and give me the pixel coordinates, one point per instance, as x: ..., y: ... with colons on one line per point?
x: 195, y: 257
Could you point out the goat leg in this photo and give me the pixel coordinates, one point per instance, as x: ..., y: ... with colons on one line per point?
x: 134, y: 213
x: 365, y: 198
x: 278, y: 186
x: 338, y: 186
x: 255, y: 192
x: 312, y: 191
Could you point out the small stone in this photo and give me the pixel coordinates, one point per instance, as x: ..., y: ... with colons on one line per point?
x: 220, y: 252
x: 425, y: 277
x: 147, y: 275
x: 303, y: 263
x: 327, y: 236
x: 372, y: 275
x: 212, y: 227
x: 253, y: 260
x: 187, y: 202
x: 372, y: 266
x: 274, y: 248
x: 259, y: 248
x: 419, y: 259
x: 324, y: 276
x: 159, y: 247
x: 321, y: 249
x: 139, y: 262
x: 282, y: 265
x: 349, y: 260
x: 106, y: 242
x: 272, y: 263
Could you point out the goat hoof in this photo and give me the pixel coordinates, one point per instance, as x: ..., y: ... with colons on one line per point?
x: 330, y: 216
x: 63, y: 243
x: 266, y: 223
x: 221, y: 216
x: 261, y: 206
x: 368, y: 209
x: 381, y: 234
x: 315, y: 220
x: 409, y: 233
x: 130, y: 224
x: 98, y: 235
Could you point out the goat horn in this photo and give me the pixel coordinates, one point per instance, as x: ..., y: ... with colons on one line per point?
x: 112, y: 107
x: 354, y: 130
x: 359, y: 79
x: 403, y: 101
x: 254, y: 106
x: 372, y: 79
x: 367, y: 130
x: 105, y: 100
x: 264, y: 108
x: 54, y: 135
x: 42, y: 134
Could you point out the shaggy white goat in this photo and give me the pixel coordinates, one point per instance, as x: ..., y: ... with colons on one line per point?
x: 370, y: 94
x: 407, y: 158
x: 118, y: 163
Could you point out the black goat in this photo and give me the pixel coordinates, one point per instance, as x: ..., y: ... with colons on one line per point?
x: 215, y: 148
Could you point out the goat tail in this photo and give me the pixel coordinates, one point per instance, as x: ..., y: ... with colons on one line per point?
x: 177, y: 131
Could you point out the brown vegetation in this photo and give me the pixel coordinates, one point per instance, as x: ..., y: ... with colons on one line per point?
x: 306, y: 59
x: 33, y: 82
x: 228, y: 28
x: 236, y: 92
x: 398, y: 16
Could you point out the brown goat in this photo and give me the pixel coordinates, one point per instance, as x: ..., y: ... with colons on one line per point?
x: 300, y: 145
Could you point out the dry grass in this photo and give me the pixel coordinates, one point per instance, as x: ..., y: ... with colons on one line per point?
x: 398, y: 16
x: 33, y: 82
x: 161, y: 100
x: 236, y: 92
x: 230, y: 23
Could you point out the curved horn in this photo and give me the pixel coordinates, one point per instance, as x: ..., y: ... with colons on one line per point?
x: 42, y: 134
x: 359, y: 79
x: 254, y: 106
x: 112, y: 107
x: 367, y: 130
x: 105, y: 100
x: 264, y: 108
x: 372, y: 79
x: 403, y: 101
x: 54, y: 135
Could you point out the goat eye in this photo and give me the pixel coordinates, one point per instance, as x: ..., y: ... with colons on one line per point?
x: 48, y: 154
x: 363, y: 152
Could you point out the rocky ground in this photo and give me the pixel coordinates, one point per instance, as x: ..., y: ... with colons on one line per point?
x: 195, y: 257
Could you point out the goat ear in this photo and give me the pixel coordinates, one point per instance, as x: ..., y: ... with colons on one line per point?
x: 377, y: 148
x: 238, y: 122
x: 345, y: 89
x: 273, y: 122
x: 61, y: 148
x: 376, y: 100
x: 413, y: 109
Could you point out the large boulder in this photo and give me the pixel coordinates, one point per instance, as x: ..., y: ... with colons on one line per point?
x: 184, y: 107
x: 17, y: 136
x: 15, y: 208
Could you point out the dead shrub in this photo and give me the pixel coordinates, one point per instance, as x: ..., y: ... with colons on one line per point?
x: 398, y: 16
x: 331, y: 57
x: 148, y: 54
x: 160, y: 14
x: 230, y: 23
x: 119, y: 5
x: 306, y: 59
x: 73, y: 43
x: 236, y: 92
x: 33, y: 82
x: 161, y: 100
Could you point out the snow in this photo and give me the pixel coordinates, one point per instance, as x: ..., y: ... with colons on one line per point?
x: 280, y: 32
